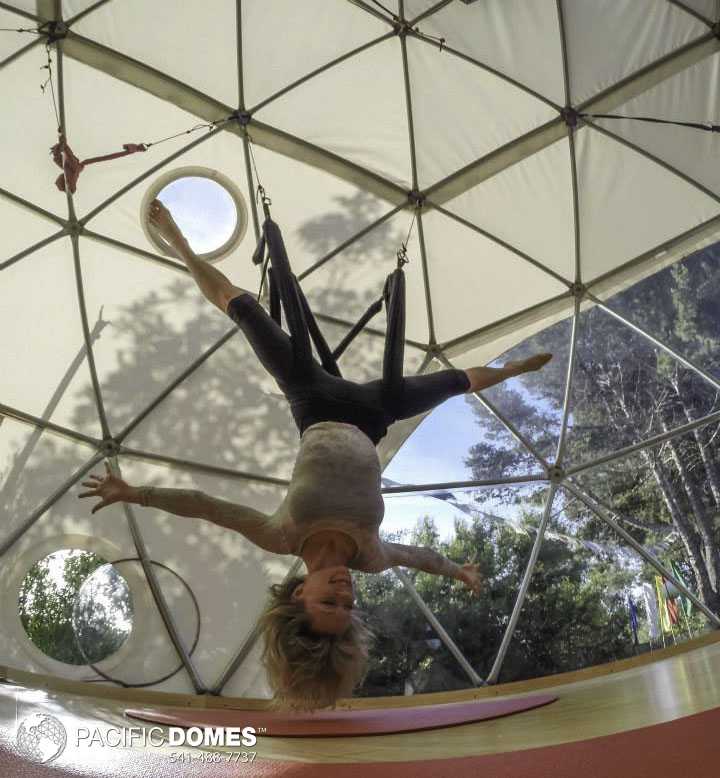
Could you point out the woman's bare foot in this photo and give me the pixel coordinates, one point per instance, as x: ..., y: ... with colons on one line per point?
x: 480, y: 378
x: 528, y: 365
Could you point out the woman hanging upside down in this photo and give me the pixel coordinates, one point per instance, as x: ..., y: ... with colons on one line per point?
x: 316, y: 644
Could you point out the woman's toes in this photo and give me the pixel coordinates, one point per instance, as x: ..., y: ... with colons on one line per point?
x: 536, y: 362
x: 532, y: 363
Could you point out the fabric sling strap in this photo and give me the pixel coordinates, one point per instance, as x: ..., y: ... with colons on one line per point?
x: 286, y: 295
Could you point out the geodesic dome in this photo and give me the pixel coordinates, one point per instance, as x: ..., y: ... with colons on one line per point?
x: 508, y: 139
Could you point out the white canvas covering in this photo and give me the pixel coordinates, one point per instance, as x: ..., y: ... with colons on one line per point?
x: 354, y: 105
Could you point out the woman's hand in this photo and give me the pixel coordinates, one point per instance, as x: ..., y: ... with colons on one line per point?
x: 164, y: 223
x: 110, y: 489
x: 470, y: 575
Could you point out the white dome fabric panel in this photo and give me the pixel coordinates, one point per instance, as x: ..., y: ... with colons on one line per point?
x: 609, y: 40
x: 357, y: 112
x: 536, y: 192
x: 268, y: 68
x: 618, y: 191
x: 692, y: 95
x: 463, y: 112
x: 215, y: 73
x: 516, y: 39
x: 39, y: 315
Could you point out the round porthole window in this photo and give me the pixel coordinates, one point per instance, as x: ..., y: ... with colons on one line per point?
x: 75, y: 607
x: 206, y: 205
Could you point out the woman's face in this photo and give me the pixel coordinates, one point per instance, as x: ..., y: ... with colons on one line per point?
x: 328, y: 597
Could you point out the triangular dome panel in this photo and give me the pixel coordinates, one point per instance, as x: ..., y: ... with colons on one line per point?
x: 537, y: 190
x: 267, y: 69
x: 52, y: 379
x: 152, y: 325
x: 212, y: 31
x: 629, y: 205
x: 690, y: 96
x: 358, y: 112
x: 461, y: 112
x: 469, y: 275
x: 641, y: 31
x: 517, y: 39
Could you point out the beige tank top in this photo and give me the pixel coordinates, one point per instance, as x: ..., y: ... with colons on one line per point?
x: 335, y: 485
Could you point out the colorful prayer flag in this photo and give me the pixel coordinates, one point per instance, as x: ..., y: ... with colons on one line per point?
x: 665, y: 620
x: 633, y: 619
x: 685, y: 602
x: 651, y: 608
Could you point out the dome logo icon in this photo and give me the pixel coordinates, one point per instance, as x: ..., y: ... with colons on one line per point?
x: 41, y: 737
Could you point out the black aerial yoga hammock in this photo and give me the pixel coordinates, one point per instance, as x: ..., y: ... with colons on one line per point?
x: 316, y: 390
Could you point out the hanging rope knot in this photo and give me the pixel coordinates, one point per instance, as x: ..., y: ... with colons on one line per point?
x: 65, y: 159
x: 48, y: 67
x: 263, y: 198
x: 434, y: 38
x: 131, y: 148
x: 402, y: 257
x: 262, y: 195
x: 34, y: 31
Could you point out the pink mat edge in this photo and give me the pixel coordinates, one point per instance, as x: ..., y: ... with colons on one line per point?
x: 538, y: 701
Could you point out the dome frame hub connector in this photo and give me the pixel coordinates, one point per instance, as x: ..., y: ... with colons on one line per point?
x: 110, y: 448
x: 74, y: 228
x: 243, y: 118
x: 416, y: 198
x: 555, y: 474
x: 571, y: 117
x: 55, y: 30
x: 402, y: 27
x: 578, y: 290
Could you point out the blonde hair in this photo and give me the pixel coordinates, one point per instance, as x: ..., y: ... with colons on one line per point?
x: 306, y: 669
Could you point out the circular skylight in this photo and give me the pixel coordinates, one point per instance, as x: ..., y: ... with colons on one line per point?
x: 207, y: 207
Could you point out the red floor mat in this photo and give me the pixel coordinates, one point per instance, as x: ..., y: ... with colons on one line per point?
x: 343, y: 723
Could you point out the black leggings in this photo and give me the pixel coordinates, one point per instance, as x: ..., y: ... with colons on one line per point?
x: 317, y: 392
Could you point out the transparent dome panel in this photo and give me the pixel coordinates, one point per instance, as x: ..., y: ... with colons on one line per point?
x: 102, y: 614
x: 204, y: 211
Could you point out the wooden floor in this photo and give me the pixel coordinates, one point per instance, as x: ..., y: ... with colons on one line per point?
x: 658, y: 692
x: 591, y: 704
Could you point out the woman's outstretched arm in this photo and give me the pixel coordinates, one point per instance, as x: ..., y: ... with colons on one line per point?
x: 431, y: 561
x: 256, y: 526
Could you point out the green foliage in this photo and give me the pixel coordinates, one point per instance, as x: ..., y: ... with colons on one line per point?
x: 569, y: 620
x: 45, y: 605
x: 624, y: 390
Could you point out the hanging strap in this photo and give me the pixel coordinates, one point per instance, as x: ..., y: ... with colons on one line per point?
x: 275, y: 308
x: 374, y: 309
x: 707, y: 126
x: 393, y: 358
x: 64, y: 158
x: 327, y: 358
